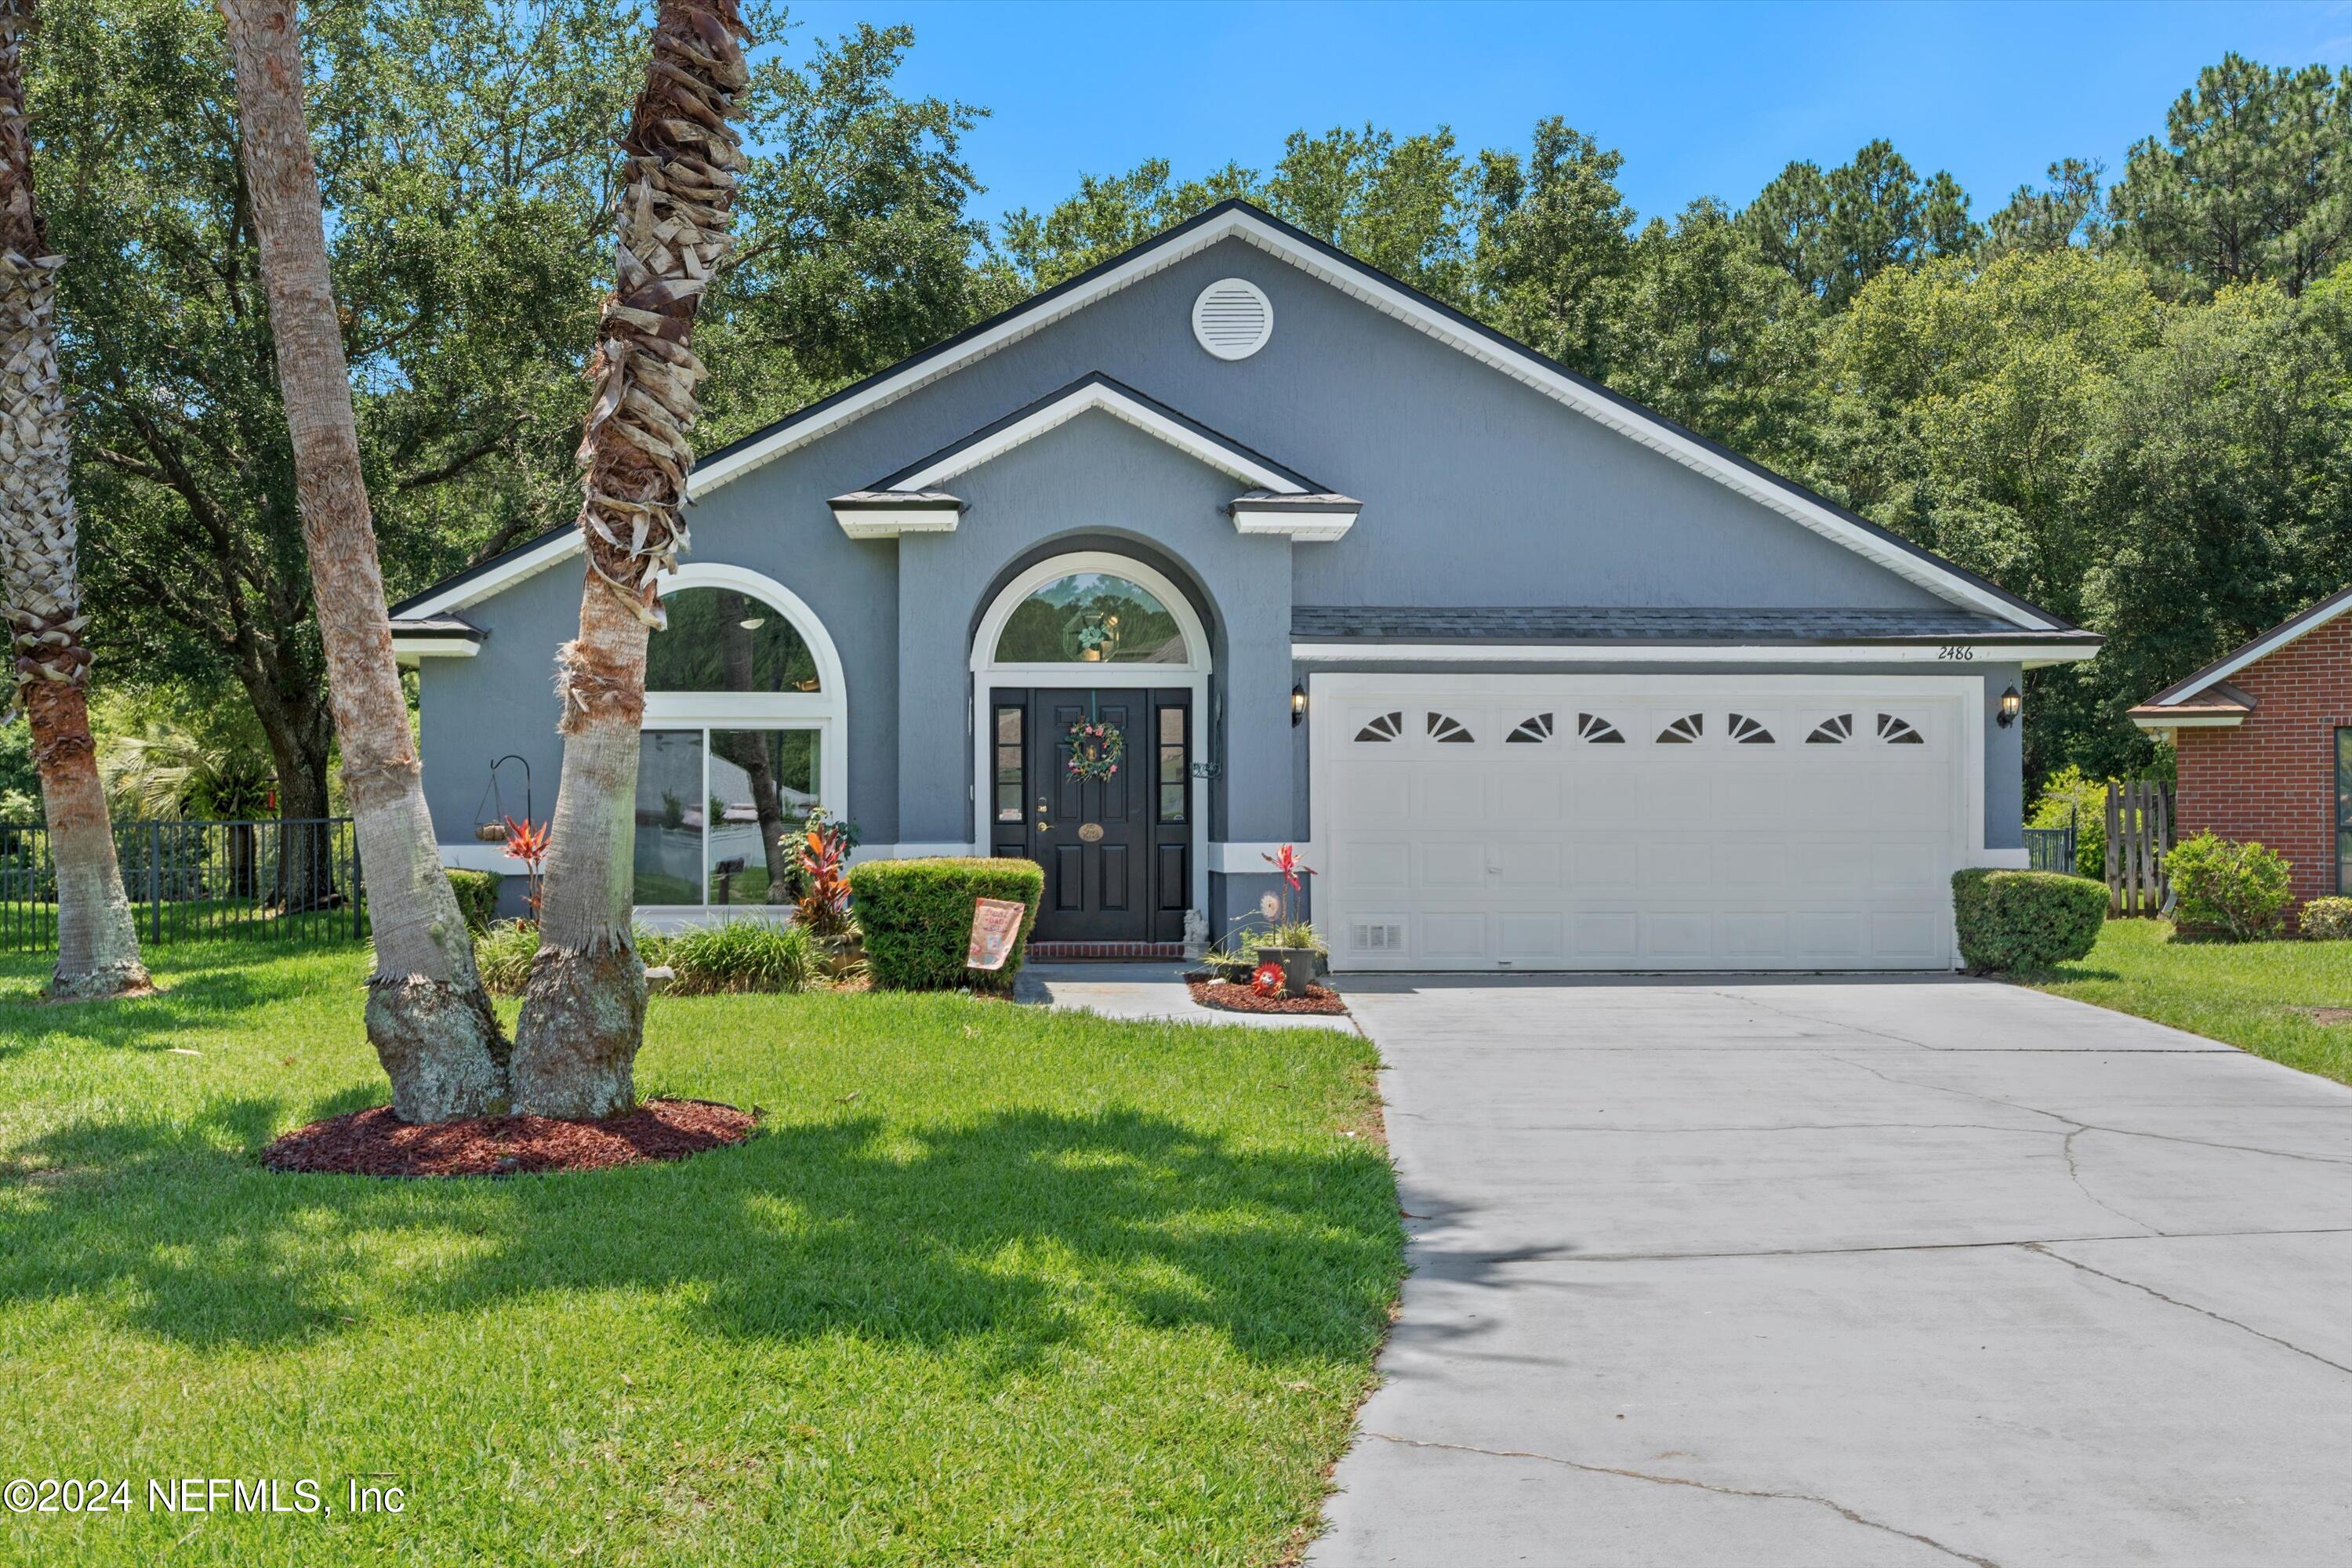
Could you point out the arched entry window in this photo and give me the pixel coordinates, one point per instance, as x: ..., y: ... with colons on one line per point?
x: 1091, y: 617
x: 745, y: 734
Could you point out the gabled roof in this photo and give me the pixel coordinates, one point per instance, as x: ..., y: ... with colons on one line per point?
x: 2180, y: 695
x: 1237, y: 219
x: 1098, y: 393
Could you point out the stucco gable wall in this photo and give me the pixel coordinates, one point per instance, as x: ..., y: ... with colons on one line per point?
x: 1477, y: 489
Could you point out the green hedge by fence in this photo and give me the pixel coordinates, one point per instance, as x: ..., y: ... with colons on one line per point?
x: 2026, y: 919
x: 917, y: 917
x: 478, y: 897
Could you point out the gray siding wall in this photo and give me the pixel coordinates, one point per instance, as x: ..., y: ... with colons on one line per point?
x: 1477, y: 490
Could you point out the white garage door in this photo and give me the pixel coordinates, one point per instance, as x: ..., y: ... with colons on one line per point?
x: 1640, y: 822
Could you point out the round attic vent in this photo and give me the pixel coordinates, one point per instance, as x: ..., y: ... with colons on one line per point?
x: 1232, y: 318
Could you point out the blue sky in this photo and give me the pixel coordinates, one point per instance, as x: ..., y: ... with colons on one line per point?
x: 1703, y: 99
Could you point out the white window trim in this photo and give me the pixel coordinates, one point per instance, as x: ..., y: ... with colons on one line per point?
x: 824, y: 710
x: 1192, y: 676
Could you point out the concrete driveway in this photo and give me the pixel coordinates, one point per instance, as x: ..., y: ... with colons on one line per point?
x: 1872, y: 1271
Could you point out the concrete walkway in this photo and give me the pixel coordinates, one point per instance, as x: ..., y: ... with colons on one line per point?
x: 1859, y: 1272
x: 1142, y: 991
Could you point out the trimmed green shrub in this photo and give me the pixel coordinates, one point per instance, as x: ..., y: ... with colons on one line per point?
x: 917, y: 917
x: 2227, y: 891
x: 2327, y: 920
x: 502, y: 955
x: 2069, y: 793
x: 741, y: 955
x: 478, y: 897
x: 2026, y: 919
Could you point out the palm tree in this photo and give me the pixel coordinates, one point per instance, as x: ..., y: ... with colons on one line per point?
x: 427, y: 1013
x: 585, y: 1013
x: 98, y: 939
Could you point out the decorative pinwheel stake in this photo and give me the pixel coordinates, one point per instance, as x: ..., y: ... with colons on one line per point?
x: 1287, y: 861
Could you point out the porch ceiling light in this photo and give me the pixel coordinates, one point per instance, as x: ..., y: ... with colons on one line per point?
x: 2013, y: 703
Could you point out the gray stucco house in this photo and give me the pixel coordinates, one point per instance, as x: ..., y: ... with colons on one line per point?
x: 1535, y: 678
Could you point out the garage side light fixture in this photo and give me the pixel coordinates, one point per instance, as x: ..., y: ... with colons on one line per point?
x: 1297, y: 706
x: 2011, y: 704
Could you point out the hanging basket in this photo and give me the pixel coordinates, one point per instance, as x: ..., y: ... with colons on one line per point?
x: 490, y: 812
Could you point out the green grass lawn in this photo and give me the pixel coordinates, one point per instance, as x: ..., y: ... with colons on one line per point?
x: 2259, y: 996
x: 991, y: 1286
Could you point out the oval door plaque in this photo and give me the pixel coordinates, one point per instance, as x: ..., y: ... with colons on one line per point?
x: 1090, y: 833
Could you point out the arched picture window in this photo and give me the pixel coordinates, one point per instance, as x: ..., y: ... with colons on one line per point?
x: 1091, y: 617
x: 740, y: 742
x: 722, y: 639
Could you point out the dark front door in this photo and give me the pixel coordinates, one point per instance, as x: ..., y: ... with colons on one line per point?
x: 1116, y: 850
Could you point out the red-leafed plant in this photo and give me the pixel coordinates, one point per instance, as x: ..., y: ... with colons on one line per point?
x: 822, y: 906
x: 1287, y: 861
x: 527, y: 842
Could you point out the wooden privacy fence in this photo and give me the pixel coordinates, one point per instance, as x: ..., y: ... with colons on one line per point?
x: 2139, y: 831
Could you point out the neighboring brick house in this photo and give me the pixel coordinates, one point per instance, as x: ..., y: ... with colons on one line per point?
x: 2265, y: 740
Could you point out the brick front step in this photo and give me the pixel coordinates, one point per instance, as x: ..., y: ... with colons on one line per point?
x: 1063, y: 950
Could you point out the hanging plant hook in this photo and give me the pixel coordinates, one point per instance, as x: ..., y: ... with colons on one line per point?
x: 490, y: 827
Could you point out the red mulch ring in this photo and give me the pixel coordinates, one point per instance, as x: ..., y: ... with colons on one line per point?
x: 376, y: 1142
x: 1227, y: 997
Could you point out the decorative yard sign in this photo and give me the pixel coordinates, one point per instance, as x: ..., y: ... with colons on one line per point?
x: 994, y: 923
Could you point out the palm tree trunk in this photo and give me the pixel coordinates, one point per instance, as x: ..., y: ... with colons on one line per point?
x: 584, y: 1016
x: 98, y: 939
x: 427, y: 1014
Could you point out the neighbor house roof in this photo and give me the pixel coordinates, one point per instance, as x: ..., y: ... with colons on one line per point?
x: 2206, y: 697
x: 1238, y: 219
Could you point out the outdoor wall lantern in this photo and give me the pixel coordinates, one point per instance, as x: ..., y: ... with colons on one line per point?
x: 2012, y: 705
x: 1297, y: 706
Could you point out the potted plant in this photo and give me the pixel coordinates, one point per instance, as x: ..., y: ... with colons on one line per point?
x: 1291, y: 943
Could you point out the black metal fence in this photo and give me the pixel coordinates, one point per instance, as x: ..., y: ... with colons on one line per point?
x: 197, y: 880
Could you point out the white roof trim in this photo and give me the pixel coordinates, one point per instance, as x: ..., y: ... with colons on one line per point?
x: 549, y: 552
x: 2261, y: 647
x: 1089, y: 398
x: 1363, y: 284
x: 408, y: 650
x: 2156, y: 726
x: 1637, y: 651
x: 1302, y: 527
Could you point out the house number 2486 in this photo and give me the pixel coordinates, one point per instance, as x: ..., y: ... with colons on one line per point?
x: 1959, y: 651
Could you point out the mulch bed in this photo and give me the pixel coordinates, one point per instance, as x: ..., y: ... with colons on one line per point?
x: 1227, y: 997
x: 374, y: 1143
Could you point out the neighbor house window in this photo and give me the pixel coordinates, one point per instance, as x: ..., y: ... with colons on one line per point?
x: 2344, y: 810
x: 1091, y: 617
